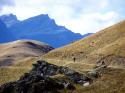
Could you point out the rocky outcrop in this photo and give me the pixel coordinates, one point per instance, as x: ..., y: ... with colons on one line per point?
x: 42, y: 79
x: 32, y: 84
x: 39, y: 80
x: 45, y: 69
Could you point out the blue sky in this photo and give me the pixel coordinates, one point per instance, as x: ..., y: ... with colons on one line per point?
x: 80, y: 16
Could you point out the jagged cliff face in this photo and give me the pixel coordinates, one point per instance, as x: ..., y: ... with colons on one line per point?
x: 43, y: 28
x: 5, y: 35
x: 9, y: 19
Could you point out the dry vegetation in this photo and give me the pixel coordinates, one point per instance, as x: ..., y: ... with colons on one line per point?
x: 108, y: 42
x: 108, y: 46
x: 112, y: 81
x: 12, y: 73
x: 8, y: 74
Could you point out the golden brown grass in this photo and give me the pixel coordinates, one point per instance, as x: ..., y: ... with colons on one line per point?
x: 109, y: 41
x: 27, y: 62
x: 13, y: 73
x: 8, y: 74
x: 112, y: 81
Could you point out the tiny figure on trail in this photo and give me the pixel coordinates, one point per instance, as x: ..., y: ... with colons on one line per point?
x: 74, y: 59
x: 103, y: 63
x: 86, y: 56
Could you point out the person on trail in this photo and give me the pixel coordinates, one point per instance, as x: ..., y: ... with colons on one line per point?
x: 103, y: 63
x: 74, y: 59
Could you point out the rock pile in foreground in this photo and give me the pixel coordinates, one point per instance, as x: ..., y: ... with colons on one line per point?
x: 39, y: 80
x: 45, y: 69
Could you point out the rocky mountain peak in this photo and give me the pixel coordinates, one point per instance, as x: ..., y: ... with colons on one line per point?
x: 9, y: 19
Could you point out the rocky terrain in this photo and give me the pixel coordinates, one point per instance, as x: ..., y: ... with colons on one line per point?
x: 39, y: 79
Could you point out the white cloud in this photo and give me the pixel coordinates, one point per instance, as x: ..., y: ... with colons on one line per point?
x: 90, y: 22
x: 81, y: 16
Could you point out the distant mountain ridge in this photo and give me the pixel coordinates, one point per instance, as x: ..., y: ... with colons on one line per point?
x: 5, y: 35
x: 41, y: 28
x: 9, y: 19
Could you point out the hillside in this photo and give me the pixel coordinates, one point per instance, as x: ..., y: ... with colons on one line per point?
x: 21, y: 49
x: 43, y: 28
x: 106, y: 45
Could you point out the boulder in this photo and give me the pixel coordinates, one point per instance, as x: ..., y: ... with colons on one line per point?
x: 32, y: 84
x: 39, y: 80
x: 86, y: 84
x: 93, y: 73
x: 46, y: 69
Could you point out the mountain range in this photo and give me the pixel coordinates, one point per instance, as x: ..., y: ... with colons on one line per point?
x: 9, y: 19
x: 41, y: 28
x: 5, y: 35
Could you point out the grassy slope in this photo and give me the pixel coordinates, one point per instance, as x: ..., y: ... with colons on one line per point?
x: 12, y: 73
x: 8, y: 74
x: 107, y: 45
x: 112, y: 81
x: 109, y: 41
